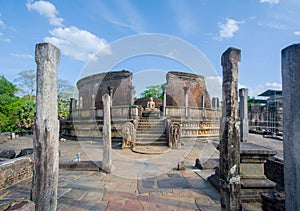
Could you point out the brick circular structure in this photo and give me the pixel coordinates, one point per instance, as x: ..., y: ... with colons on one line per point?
x: 92, y: 88
x: 176, y: 81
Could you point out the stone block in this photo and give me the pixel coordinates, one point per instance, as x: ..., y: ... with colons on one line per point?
x: 7, y: 153
x: 181, y: 166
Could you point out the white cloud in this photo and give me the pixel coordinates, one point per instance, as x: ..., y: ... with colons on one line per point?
x: 2, y: 24
x: 227, y: 30
x: 47, y: 9
x: 3, y: 39
x: 23, y: 56
x: 297, y: 32
x: 269, y: 1
x: 77, y: 43
x: 72, y: 41
x: 261, y: 88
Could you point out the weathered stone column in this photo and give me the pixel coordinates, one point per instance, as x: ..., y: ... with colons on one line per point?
x: 164, y: 100
x: 72, y: 106
x: 290, y: 61
x: 186, y: 101
x: 80, y: 103
x: 45, y: 142
x: 244, y: 129
x: 230, y: 186
x: 215, y: 103
x: 106, y: 134
x: 111, y: 92
x: 203, y: 102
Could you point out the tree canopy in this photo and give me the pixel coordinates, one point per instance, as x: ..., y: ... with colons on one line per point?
x: 17, y: 111
x: 154, y: 91
x: 26, y: 82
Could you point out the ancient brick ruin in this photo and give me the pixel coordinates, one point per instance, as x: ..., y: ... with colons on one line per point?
x: 186, y: 102
x: 197, y: 93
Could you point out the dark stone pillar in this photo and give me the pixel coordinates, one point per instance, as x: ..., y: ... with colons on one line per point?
x: 290, y: 61
x: 111, y: 92
x: 244, y: 130
x: 46, y: 130
x: 230, y: 186
x: 164, y: 100
x: 72, y: 106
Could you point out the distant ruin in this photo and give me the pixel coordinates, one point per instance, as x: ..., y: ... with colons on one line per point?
x: 186, y: 103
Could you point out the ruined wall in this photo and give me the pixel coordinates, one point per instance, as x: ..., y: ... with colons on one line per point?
x: 92, y: 88
x: 197, y: 88
x: 15, y: 170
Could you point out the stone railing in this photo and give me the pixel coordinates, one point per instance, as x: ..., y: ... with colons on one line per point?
x: 200, y: 128
x: 193, y: 113
x: 119, y: 112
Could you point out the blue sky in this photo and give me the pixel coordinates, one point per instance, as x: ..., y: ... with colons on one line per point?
x: 80, y: 28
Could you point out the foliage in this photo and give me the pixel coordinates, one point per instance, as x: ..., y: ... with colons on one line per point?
x: 26, y: 82
x: 18, y: 113
x: 154, y: 91
x: 25, y: 114
x: 7, y: 100
x: 64, y: 93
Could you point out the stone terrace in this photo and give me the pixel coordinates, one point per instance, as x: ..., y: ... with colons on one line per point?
x: 128, y: 188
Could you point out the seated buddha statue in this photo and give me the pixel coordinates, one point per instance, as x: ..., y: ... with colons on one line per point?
x: 150, y: 105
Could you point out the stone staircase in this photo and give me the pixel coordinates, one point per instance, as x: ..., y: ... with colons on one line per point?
x: 151, y: 132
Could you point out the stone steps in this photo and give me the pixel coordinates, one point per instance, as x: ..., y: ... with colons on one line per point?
x: 151, y: 132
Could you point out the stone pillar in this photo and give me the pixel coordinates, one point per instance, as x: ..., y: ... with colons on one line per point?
x: 290, y: 61
x: 244, y: 129
x: 215, y: 103
x: 46, y: 129
x: 80, y: 103
x: 72, y: 106
x: 230, y: 186
x: 111, y: 92
x: 186, y: 101
x: 93, y: 101
x: 106, y: 134
x: 164, y: 100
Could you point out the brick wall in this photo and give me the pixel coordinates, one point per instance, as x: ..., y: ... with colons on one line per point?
x: 15, y: 170
x: 197, y: 88
x: 97, y: 86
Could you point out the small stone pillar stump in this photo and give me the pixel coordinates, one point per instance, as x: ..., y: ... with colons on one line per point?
x: 46, y: 129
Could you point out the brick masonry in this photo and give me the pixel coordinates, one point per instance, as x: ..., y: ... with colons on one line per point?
x: 15, y: 170
x: 197, y: 88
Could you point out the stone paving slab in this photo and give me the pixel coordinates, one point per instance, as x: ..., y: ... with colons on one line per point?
x: 94, y: 190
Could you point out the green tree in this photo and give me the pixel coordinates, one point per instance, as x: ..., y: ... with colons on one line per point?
x: 24, y: 114
x: 7, y: 100
x: 154, y: 91
x: 64, y: 92
x: 26, y: 82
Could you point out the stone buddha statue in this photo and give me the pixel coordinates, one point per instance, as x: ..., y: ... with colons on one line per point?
x: 150, y: 105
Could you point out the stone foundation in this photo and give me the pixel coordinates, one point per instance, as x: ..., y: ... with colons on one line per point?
x: 253, y: 180
x: 15, y: 170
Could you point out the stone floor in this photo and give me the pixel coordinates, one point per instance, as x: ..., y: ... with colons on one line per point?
x: 138, y: 181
